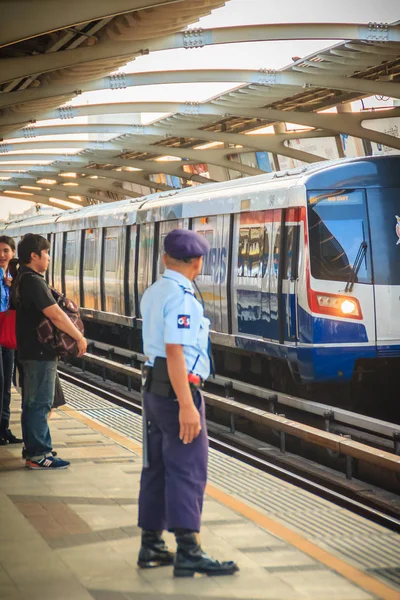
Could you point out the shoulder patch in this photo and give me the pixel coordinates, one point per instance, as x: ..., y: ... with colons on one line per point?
x: 183, y: 321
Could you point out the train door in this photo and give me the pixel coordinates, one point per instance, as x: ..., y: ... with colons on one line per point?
x: 132, y: 266
x: 212, y: 281
x: 288, y: 276
x: 91, y: 293
x: 145, y: 260
x: 271, y: 269
x: 72, y: 265
x: 114, y: 241
x: 247, y: 273
x: 164, y: 229
x: 384, y: 217
x: 57, y: 261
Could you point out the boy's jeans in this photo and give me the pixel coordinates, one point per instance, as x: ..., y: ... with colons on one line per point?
x: 37, y: 399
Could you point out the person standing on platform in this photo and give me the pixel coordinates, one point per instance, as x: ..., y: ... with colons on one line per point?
x: 174, y: 475
x: 7, y: 252
x: 33, y: 299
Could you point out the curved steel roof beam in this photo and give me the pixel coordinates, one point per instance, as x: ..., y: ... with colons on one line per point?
x: 81, y: 187
x: 51, y: 172
x: 102, y: 179
x: 24, y: 19
x: 70, y: 162
x: 214, y: 156
x: 44, y: 198
x: 12, y: 68
x: 63, y: 194
x: 32, y: 132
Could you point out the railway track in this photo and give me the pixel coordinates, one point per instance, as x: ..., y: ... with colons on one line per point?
x: 363, y: 428
x: 228, y: 435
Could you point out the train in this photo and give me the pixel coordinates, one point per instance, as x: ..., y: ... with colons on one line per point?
x: 302, y: 281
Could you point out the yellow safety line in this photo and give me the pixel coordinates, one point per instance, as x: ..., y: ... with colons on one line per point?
x: 350, y: 573
x: 337, y: 564
x: 120, y: 438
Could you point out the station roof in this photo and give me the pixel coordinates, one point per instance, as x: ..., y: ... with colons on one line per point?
x: 55, y: 54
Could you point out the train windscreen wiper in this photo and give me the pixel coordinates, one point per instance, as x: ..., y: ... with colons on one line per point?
x: 356, y: 266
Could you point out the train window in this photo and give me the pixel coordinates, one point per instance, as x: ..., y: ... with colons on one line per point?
x: 337, y: 224
x: 70, y: 251
x: 71, y: 265
x: 145, y: 266
x: 265, y: 257
x: 207, y: 264
x: 90, y: 248
x: 132, y: 265
x: 165, y: 228
x: 114, y: 269
x: 277, y: 246
x: 110, y: 253
x: 57, y: 261
x: 251, y: 251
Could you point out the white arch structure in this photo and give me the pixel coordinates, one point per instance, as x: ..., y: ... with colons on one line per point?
x: 90, y: 39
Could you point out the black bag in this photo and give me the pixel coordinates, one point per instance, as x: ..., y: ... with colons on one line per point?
x: 59, y: 398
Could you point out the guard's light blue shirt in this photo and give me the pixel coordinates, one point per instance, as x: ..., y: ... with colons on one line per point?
x: 172, y: 315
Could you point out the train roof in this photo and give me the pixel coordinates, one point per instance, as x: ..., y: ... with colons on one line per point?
x: 248, y: 193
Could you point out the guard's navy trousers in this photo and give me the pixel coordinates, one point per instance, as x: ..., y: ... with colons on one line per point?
x: 172, y: 486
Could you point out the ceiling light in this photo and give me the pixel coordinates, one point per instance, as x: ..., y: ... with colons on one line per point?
x: 19, y: 193
x: 130, y: 169
x: 71, y: 183
x: 47, y: 181
x: 68, y: 174
x: 30, y: 187
x: 93, y: 177
x: 63, y: 203
x: 79, y: 198
x: 4, y: 178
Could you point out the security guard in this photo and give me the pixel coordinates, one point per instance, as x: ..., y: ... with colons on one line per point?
x: 176, y: 342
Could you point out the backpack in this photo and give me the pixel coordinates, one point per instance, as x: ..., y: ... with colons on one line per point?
x: 53, y: 339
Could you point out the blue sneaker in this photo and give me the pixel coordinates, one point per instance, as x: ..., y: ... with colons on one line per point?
x: 47, y: 462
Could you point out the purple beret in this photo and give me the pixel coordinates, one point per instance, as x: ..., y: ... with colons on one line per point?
x: 183, y: 243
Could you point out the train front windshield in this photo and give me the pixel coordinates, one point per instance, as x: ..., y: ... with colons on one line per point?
x: 338, y: 228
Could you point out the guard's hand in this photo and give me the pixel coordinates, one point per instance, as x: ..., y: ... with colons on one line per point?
x: 82, y: 346
x: 189, y: 421
x: 8, y: 281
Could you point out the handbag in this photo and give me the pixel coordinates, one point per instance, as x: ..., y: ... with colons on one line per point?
x: 8, y: 338
x: 52, y: 338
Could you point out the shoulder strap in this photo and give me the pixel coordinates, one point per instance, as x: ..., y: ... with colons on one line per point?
x: 185, y: 289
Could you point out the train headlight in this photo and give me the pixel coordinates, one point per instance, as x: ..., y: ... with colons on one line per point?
x: 335, y: 305
x: 348, y: 307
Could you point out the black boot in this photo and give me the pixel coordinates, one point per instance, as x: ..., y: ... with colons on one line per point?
x: 154, y: 551
x: 12, y: 439
x: 191, y: 559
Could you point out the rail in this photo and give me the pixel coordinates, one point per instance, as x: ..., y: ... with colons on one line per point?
x: 329, y: 413
x: 336, y: 443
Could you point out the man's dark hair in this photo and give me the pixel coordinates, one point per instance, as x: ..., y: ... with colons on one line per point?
x: 31, y: 242
x: 6, y: 239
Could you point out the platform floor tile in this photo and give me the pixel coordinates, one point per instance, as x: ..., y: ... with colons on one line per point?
x: 73, y: 535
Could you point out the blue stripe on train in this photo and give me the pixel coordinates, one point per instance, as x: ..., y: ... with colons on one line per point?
x: 258, y: 315
x: 322, y: 330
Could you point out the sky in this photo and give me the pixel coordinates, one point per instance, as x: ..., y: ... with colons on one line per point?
x: 270, y: 55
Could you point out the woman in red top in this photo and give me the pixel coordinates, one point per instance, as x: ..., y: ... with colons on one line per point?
x: 7, y: 252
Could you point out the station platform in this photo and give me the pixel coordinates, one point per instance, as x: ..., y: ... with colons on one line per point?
x: 73, y: 535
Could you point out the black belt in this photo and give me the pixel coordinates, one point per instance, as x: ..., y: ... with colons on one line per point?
x: 157, y: 381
